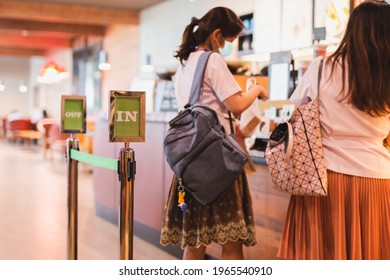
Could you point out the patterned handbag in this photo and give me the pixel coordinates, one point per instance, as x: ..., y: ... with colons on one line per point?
x: 294, y: 152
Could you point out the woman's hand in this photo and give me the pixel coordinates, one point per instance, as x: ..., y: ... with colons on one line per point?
x: 263, y: 93
x: 240, y: 101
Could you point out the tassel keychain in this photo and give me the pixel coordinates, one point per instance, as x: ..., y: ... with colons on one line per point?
x: 181, y: 193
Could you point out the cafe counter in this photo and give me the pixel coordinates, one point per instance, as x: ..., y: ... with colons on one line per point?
x: 151, y: 186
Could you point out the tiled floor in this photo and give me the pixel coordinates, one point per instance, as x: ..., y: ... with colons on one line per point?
x: 33, y: 211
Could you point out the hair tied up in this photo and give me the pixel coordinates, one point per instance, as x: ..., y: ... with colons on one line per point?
x: 194, y: 21
x: 195, y: 24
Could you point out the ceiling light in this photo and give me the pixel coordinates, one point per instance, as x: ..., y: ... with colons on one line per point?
x: 23, y: 86
x: 103, y: 61
x: 52, y: 73
x: 148, y: 67
x: 2, y: 85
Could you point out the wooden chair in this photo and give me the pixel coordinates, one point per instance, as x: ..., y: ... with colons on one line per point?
x: 56, y: 141
x: 49, y: 127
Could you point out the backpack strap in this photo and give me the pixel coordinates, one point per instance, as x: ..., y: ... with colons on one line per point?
x: 197, y: 81
x: 232, y: 130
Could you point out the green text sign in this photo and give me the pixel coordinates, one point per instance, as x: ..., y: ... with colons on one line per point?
x: 127, y: 116
x: 73, y: 115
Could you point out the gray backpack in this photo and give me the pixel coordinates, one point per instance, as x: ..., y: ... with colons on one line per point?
x: 205, y: 159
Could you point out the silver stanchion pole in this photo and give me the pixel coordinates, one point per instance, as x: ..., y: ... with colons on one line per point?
x: 126, y: 173
x: 72, y: 143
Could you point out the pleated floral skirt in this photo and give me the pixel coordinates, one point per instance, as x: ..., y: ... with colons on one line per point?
x: 352, y: 222
x: 229, y: 218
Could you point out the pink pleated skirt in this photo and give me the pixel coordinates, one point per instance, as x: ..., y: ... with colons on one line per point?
x: 351, y: 223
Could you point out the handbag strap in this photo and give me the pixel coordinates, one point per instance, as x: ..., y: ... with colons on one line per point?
x: 319, y: 78
x: 197, y: 81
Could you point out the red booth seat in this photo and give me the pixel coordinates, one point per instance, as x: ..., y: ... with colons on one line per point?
x: 12, y: 128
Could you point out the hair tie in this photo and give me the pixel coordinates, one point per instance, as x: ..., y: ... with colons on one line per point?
x: 195, y: 24
x: 194, y: 21
x: 192, y: 47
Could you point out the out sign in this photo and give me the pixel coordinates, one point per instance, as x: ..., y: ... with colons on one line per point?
x: 73, y: 114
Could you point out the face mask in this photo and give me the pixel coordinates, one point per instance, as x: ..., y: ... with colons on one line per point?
x: 227, y: 49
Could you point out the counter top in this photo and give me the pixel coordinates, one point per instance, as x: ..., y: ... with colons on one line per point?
x: 163, y: 117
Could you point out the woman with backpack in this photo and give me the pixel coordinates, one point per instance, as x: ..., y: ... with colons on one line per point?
x: 229, y: 220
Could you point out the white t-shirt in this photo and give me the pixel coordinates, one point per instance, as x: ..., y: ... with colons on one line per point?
x: 219, y: 84
x: 352, y: 139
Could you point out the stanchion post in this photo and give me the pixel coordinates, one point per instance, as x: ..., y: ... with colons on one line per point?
x: 126, y: 171
x: 73, y: 120
x: 127, y: 124
x: 72, y: 143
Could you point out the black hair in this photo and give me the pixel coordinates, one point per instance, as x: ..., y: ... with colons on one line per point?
x: 217, y: 18
x: 364, y: 57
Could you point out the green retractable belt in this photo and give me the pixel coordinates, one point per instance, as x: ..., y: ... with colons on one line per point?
x: 99, y: 161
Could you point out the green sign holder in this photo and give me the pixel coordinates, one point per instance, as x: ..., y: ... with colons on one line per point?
x: 127, y: 116
x: 73, y: 114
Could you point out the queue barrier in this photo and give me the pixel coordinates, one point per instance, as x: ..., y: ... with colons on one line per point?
x: 125, y: 166
x: 99, y: 161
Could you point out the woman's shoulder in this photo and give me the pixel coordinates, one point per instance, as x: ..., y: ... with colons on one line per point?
x: 315, y: 64
x: 216, y: 56
x: 216, y: 62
